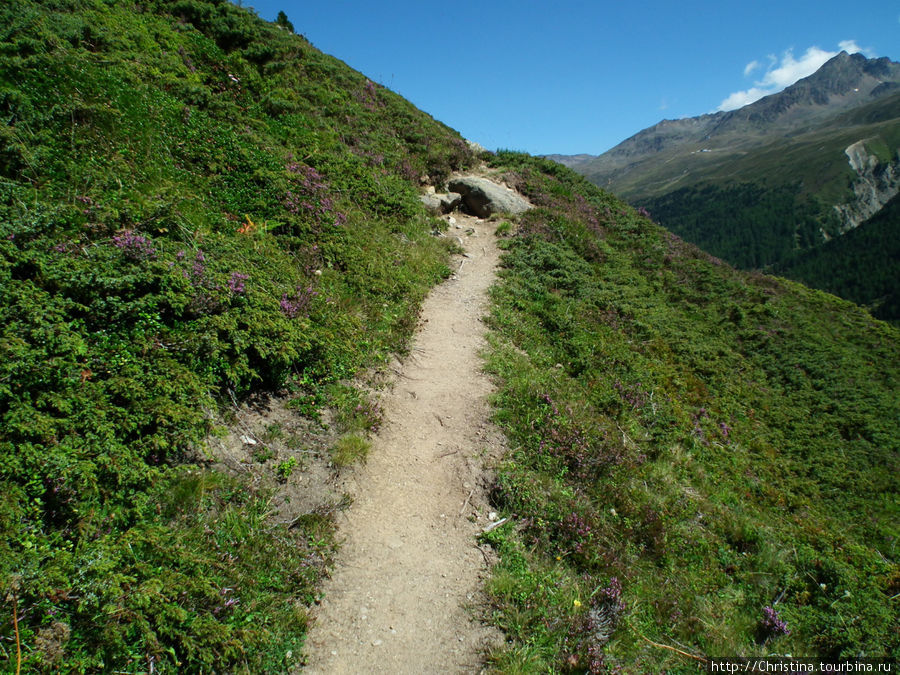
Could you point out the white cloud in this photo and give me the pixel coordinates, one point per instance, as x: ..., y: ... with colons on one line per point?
x: 781, y: 74
x: 741, y: 98
x: 851, y: 47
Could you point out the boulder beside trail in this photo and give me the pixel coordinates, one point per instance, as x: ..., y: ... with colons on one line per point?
x: 450, y: 201
x: 439, y: 203
x: 484, y: 197
x: 432, y: 203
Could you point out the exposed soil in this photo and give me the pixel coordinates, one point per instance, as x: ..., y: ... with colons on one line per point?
x: 263, y: 433
x: 404, y: 596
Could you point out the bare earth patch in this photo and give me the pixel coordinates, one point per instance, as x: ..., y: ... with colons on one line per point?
x: 404, y: 596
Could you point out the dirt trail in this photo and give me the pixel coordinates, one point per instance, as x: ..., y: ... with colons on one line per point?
x: 409, y: 571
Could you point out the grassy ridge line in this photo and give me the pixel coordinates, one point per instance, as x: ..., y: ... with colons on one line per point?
x: 193, y: 204
x: 702, y: 457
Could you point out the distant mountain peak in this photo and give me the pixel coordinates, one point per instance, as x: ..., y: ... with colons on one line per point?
x: 842, y: 83
x: 848, y: 72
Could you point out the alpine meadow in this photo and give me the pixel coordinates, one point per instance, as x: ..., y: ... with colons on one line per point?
x: 200, y: 210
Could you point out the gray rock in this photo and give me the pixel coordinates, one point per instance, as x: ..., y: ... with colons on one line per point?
x: 450, y: 201
x: 440, y: 203
x: 874, y: 186
x: 432, y: 203
x: 484, y: 197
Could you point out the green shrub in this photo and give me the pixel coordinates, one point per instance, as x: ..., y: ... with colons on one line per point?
x: 285, y: 468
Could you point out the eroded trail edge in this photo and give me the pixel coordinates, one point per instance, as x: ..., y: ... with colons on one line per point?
x: 409, y: 572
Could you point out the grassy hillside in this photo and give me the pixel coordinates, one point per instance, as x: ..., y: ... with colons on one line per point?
x: 194, y: 205
x: 748, y: 224
x: 701, y: 458
x: 755, y: 226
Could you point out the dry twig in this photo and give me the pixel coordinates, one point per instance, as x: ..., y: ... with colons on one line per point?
x: 494, y: 526
x: 673, y: 649
x: 18, y: 640
x: 466, y: 503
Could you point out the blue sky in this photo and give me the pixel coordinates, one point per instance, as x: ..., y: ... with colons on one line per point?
x: 570, y: 77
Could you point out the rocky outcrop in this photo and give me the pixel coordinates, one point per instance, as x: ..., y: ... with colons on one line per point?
x: 450, y: 201
x: 477, y: 148
x: 484, y: 197
x: 875, y: 185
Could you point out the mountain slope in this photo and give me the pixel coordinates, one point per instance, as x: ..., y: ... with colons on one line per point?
x: 825, y: 150
x: 842, y: 84
x: 863, y: 265
x: 704, y: 460
x: 195, y: 206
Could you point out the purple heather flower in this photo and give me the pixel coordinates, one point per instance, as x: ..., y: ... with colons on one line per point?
x: 771, y: 624
x: 236, y: 282
x: 297, y: 304
x: 133, y: 245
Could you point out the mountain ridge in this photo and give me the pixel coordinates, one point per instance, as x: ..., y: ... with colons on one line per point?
x: 852, y: 77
